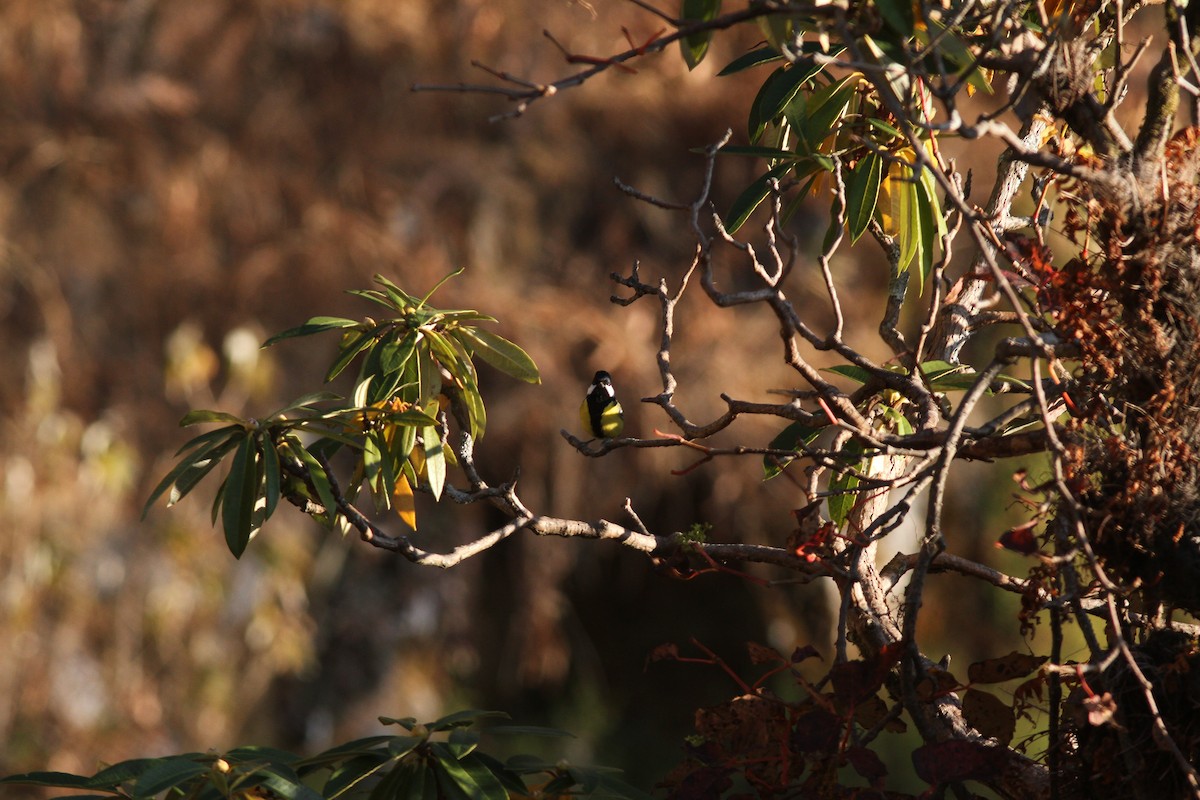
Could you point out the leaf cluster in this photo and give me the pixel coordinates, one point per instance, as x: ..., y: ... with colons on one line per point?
x: 440, y: 759
x: 411, y: 362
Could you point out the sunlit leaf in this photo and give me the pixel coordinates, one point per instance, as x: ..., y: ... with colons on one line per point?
x: 761, y: 55
x: 314, y: 325
x: 395, y: 354
x: 316, y: 474
x: 695, y: 45
x: 862, y: 192
x: 271, y: 476
x: 195, y: 465
x: 752, y: 197
x: 353, y: 344
x: 404, y: 502
x: 792, y: 437
x: 779, y: 89
x: 435, y: 461
x: 841, y: 486
x: 198, y: 417
x: 501, y: 354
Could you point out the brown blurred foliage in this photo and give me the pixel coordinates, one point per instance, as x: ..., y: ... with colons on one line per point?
x: 178, y: 180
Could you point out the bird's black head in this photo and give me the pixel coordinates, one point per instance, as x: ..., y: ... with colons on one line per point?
x: 601, y: 378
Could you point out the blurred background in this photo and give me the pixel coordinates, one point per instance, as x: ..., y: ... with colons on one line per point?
x: 179, y: 180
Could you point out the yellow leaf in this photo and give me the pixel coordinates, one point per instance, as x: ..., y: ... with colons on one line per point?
x: 404, y: 502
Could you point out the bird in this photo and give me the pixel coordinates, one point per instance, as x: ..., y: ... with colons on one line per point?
x: 600, y: 413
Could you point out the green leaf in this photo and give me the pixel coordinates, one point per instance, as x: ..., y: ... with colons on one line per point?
x: 351, y: 346
x: 167, y: 774
x: 198, y: 417
x: 886, y: 127
x: 408, y: 723
x: 197, y: 463
x: 192, y: 476
x: 435, y: 461
x: 929, y: 223
x: 790, y: 438
x: 462, y: 742
x: 752, y: 197
x: 468, y: 716
x: 817, y: 116
x: 436, y: 286
x: 394, y: 355
x: 58, y: 780
x: 761, y: 55
x: 415, y: 780
x: 120, y: 773
x: 903, y: 426
x: 314, y: 325
x: 777, y: 91
x: 695, y: 45
x: 844, y: 484
x: 862, y: 193
x: 272, y: 481
x: 851, y: 371
x: 401, y: 299
x: 897, y: 15
x: 500, y: 353
x: 316, y: 474
x: 765, y: 54
x: 241, y: 493
x: 305, y: 401
x: 285, y: 784
x: 463, y: 372
x: 353, y: 771
x: 468, y: 779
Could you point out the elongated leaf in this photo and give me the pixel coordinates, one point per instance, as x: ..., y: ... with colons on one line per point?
x: 467, y: 716
x: 927, y: 231
x: 435, y: 461
x: 462, y: 742
x: 467, y: 779
x: 777, y: 92
x: 271, y: 477
x: 120, y: 773
x: 761, y: 55
x: 790, y: 438
x: 305, y: 401
x: 395, y: 354
x: 286, y: 786
x: 241, y: 492
x: 353, y: 771
x: 751, y: 197
x: 897, y: 207
x: 816, y: 117
x: 198, y: 417
x: 436, y: 286
x: 694, y: 46
x: 354, y: 344
x: 167, y: 774
x: 316, y: 474
x: 404, y: 502
x: 841, y: 504
x: 886, y: 127
x: 203, y: 458
x: 192, y: 476
x: 862, y: 193
x: 314, y: 325
x: 501, y: 354
x: 463, y: 372
x: 415, y: 781
x: 55, y: 780
x: 851, y: 371
x: 375, y: 296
